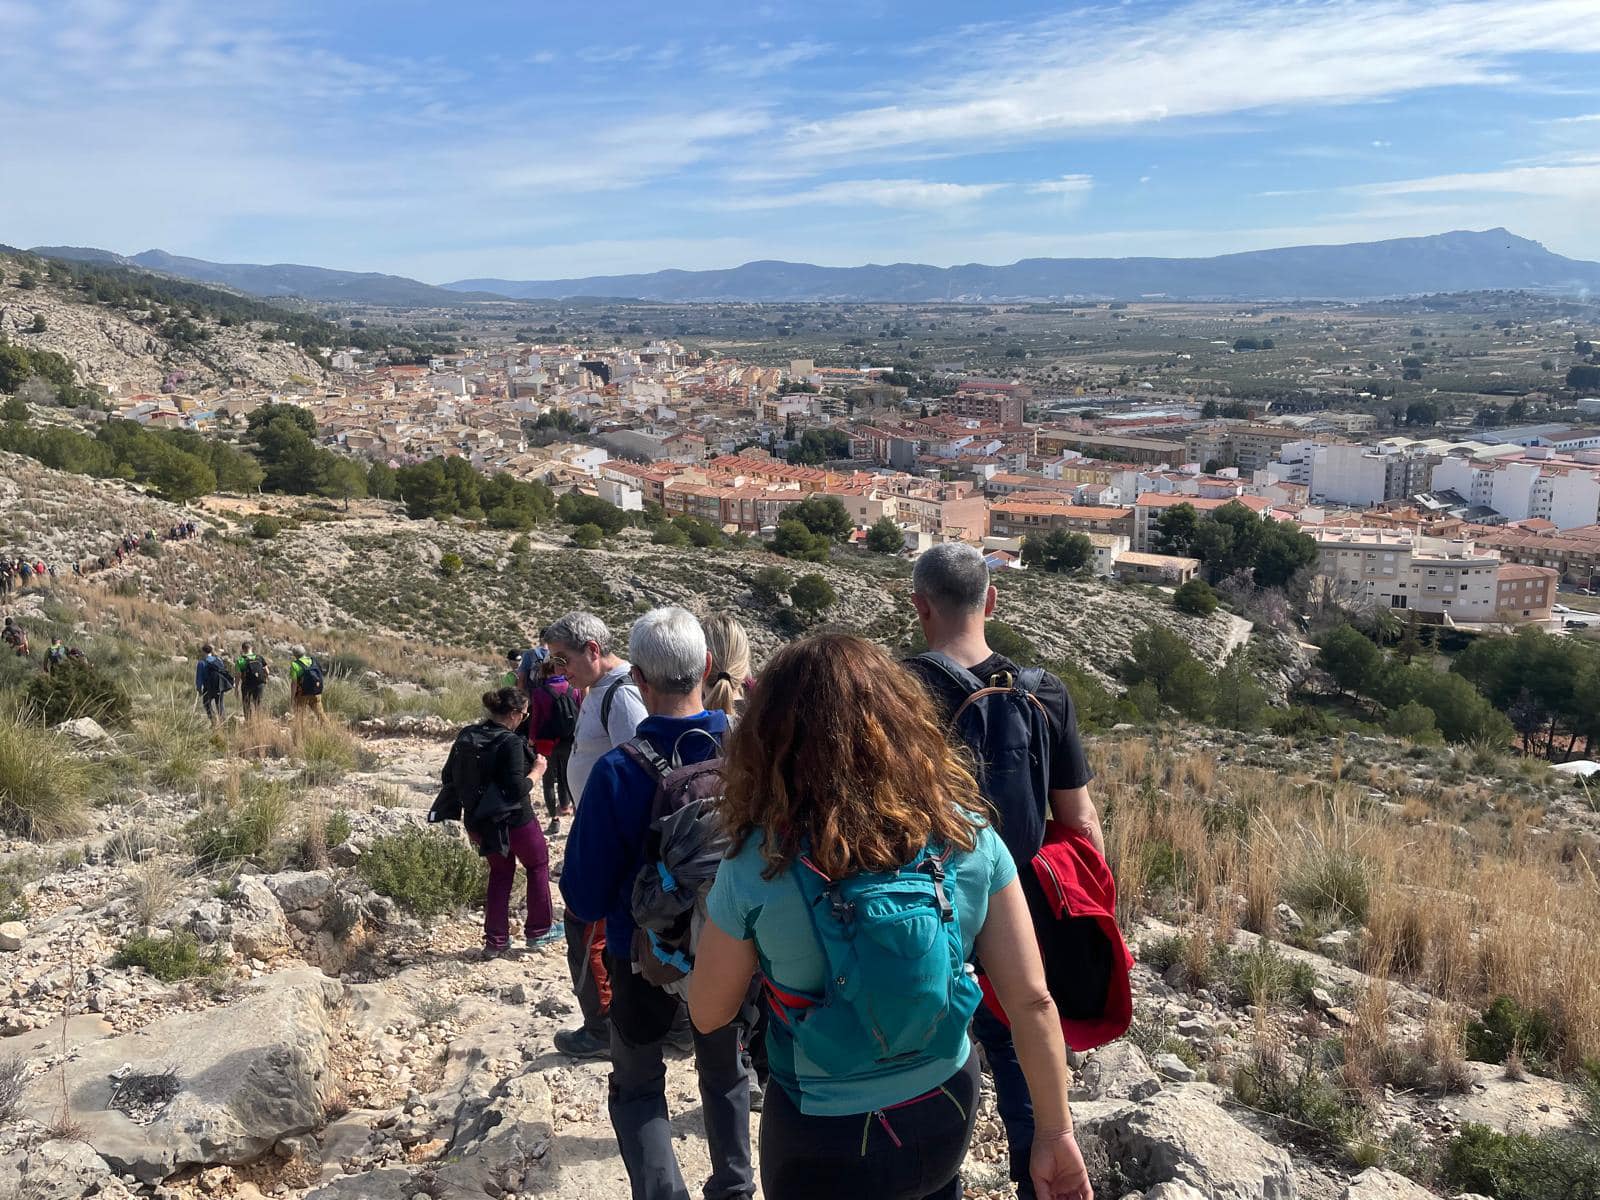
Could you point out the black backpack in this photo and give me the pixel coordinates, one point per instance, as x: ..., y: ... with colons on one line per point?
x: 469, y: 771
x: 311, y: 680
x: 255, y: 671
x: 1004, y: 724
x: 562, y: 722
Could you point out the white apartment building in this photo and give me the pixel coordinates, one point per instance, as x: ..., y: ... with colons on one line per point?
x: 1565, y: 494
x: 1360, y: 476
x: 1382, y: 568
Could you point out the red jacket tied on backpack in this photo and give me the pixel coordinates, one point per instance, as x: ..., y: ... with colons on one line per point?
x: 1087, y: 964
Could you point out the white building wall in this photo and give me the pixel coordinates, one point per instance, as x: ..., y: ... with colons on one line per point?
x: 1345, y: 474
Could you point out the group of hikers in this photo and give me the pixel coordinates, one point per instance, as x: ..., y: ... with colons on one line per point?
x: 15, y: 638
x: 825, y: 883
x: 18, y: 573
x: 215, y: 675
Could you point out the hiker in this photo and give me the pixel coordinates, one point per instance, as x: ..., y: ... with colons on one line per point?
x: 529, y: 662
x: 1049, y: 774
x: 508, y: 678
x: 552, y: 721
x: 605, y: 852
x: 253, y: 675
x: 579, y: 646
x: 305, y: 685
x: 14, y: 637
x: 54, y: 655
x: 487, y: 781
x: 213, y: 681
x: 846, y: 802
x: 24, y: 573
x: 729, y: 683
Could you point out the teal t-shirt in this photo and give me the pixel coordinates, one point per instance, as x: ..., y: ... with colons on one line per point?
x: 772, y: 914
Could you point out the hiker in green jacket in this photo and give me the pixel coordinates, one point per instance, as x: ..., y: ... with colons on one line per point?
x: 253, y: 673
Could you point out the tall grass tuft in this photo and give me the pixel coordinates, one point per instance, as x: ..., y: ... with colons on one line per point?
x: 44, y: 788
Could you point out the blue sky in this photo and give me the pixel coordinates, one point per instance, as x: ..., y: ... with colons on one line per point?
x: 539, y: 140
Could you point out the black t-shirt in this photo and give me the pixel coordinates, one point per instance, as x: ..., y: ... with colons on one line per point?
x: 1069, y: 768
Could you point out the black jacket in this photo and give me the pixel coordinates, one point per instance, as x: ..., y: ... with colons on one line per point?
x: 486, y: 786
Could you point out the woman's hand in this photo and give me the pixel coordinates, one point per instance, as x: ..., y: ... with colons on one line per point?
x: 1057, y: 1167
x: 537, y: 767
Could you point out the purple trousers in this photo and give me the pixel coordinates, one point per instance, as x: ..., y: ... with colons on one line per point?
x: 529, y: 848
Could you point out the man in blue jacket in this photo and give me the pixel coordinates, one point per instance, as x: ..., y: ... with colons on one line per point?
x: 604, y: 853
x: 212, y: 681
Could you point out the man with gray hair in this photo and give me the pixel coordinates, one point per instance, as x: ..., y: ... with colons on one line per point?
x: 580, y: 648
x: 605, y: 851
x: 1023, y: 733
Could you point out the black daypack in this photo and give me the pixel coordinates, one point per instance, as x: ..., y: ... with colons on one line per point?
x: 468, y: 774
x: 311, y: 679
x: 1004, y: 724
x: 683, y: 846
x: 562, y: 722
x: 255, y: 672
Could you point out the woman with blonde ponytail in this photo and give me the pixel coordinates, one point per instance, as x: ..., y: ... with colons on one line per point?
x: 729, y: 680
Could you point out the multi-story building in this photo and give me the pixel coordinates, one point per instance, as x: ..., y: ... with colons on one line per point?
x: 1147, y: 510
x: 1018, y: 518
x: 1573, y: 555
x: 1360, y: 476
x: 1453, y: 579
x: 998, y: 406
x: 1244, y: 445
x: 1565, y: 494
x: 1526, y: 593
x: 1117, y: 449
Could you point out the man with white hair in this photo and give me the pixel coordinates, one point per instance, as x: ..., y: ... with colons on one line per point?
x: 579, y: 645
x: 605, y: 851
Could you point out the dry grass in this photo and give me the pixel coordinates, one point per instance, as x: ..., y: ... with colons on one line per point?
x: 1469, y: 906
x: 153, y: 886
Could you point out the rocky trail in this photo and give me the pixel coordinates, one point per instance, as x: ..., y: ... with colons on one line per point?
x: 351, y: 1052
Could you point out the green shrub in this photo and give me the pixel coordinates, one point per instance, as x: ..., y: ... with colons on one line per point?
x: 338, y: 828
x: 266, y: 526
x: 1195, y: 598
x: 769, y: 583
x: 329, y: 752
x: 812, y: 594
x: 450, y: 564
x: 72, y: 690
x: 587, y: 537
x: 1300, y: 1093
x: 1506, y: 1026
x: 254, y: 828
x: 1331, y: 882
x: 169, y: 959
x: 1522, y: 1166
x: 1414, y: 721
x: 425, y: 872
x: 1260, y: 975
x: 1302, y: 721
x: 44, y: 787
x: 150, y: 548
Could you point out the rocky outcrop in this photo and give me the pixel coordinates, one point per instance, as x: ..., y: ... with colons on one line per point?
x: 218, y: 1086
x: 1118, y: 1071
x: 54, y: 1170
x: 1182, y: 1137
x: 1378, y: 1184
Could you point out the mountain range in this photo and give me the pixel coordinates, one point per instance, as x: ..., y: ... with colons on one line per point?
x: 1459, y: 261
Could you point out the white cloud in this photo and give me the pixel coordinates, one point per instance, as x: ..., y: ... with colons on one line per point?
x: 1100, y: 70
x: 882, y: 193
x: 1582, y: 119
x: 1067, y: 185
x: 1576, y: 178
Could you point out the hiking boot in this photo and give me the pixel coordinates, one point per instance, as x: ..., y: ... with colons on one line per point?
x: 580, y: 1043
x: 554, y: 934
x: 490, y: 953
x: 553, y: 828
x: 758, y: 1096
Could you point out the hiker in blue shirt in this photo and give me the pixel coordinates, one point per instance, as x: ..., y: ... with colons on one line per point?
x: 605, y: 850
x: 863, y: 873
x: 213, y: 681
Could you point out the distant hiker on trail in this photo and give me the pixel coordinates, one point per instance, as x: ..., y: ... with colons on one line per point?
x: 552, y: 722
x: 529, y: 664
x: 253, y: 675
x: 55, y: 654
x: 508, y: 677
x: 611, y: 841
x: 878, y: 1080
x: 213, y: 681
x: 1024, y: 737
x: 729, y: 683
x: 8, y: 578
x: 487, y: 782
x: 305, y: 685
x: 14, y: 637
x: 25, y: 573
x: 580, y: 648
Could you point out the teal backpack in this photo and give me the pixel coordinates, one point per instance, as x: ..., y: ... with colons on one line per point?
x: 899, y: 991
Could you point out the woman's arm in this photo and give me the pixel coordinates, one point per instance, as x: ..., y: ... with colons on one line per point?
x: 1010, y: 957
x: 723, y: 967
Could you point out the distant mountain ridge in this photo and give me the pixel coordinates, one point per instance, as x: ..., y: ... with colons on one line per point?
x: 281, y: 280
x: 1448, y: 262
x: 1460, y: 261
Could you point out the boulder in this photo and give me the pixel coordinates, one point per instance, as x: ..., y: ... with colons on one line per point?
x: 1377, y: 1184
x: 387, y: 1183
x: 55, y: 1170
x: 220, y: 1086
x: 1287, y: 918
x: 12, y: 935
x: 1172, y: 1067
x: 1181, y: 1137
x: 84, y: 732
x: 301, y: 895
x: 255, y: 920
x: 1117, y: 1072
x: 502, y: 1145
x: 1174, y: 1191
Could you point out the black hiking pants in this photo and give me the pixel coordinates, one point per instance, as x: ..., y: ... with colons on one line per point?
x: 250, y: 697
x: 557, y: 791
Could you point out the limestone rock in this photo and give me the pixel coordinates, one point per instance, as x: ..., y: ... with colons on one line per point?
x: 1174, y: 1191
x: 297, y: 890
x: 1119, y: 1072
x: 389, y: 1183
x: 56, y: 1170
x: 1287, y: 918
x: 256, y: 920
x: 1172, y: 1067
x: 214, y: 1087
x: 12, y: 935
x: 84, y: 732
x: 1378, y: 1184
x: 502, y: 1145
x: 1180, y: 1137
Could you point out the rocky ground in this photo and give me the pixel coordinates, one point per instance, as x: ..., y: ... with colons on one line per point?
x: 117, y: 348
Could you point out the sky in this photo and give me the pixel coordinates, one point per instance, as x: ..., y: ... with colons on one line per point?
x: 522, y: 140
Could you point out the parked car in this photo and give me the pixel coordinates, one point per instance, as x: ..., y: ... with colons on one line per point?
x: 1572, y: 624
x: 1559, y: 608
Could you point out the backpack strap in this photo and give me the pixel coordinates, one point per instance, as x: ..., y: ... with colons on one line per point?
x: 677, y: 758
x: 951, y: 670
x: 605, y: 702
x: 642, y: 752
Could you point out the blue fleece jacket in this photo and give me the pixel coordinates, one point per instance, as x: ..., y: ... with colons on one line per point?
x: 606, y: 846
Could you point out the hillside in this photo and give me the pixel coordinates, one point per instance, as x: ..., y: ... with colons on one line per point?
x: 1447, y: 262
x: 238, y: 964
x: 137, y: 348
